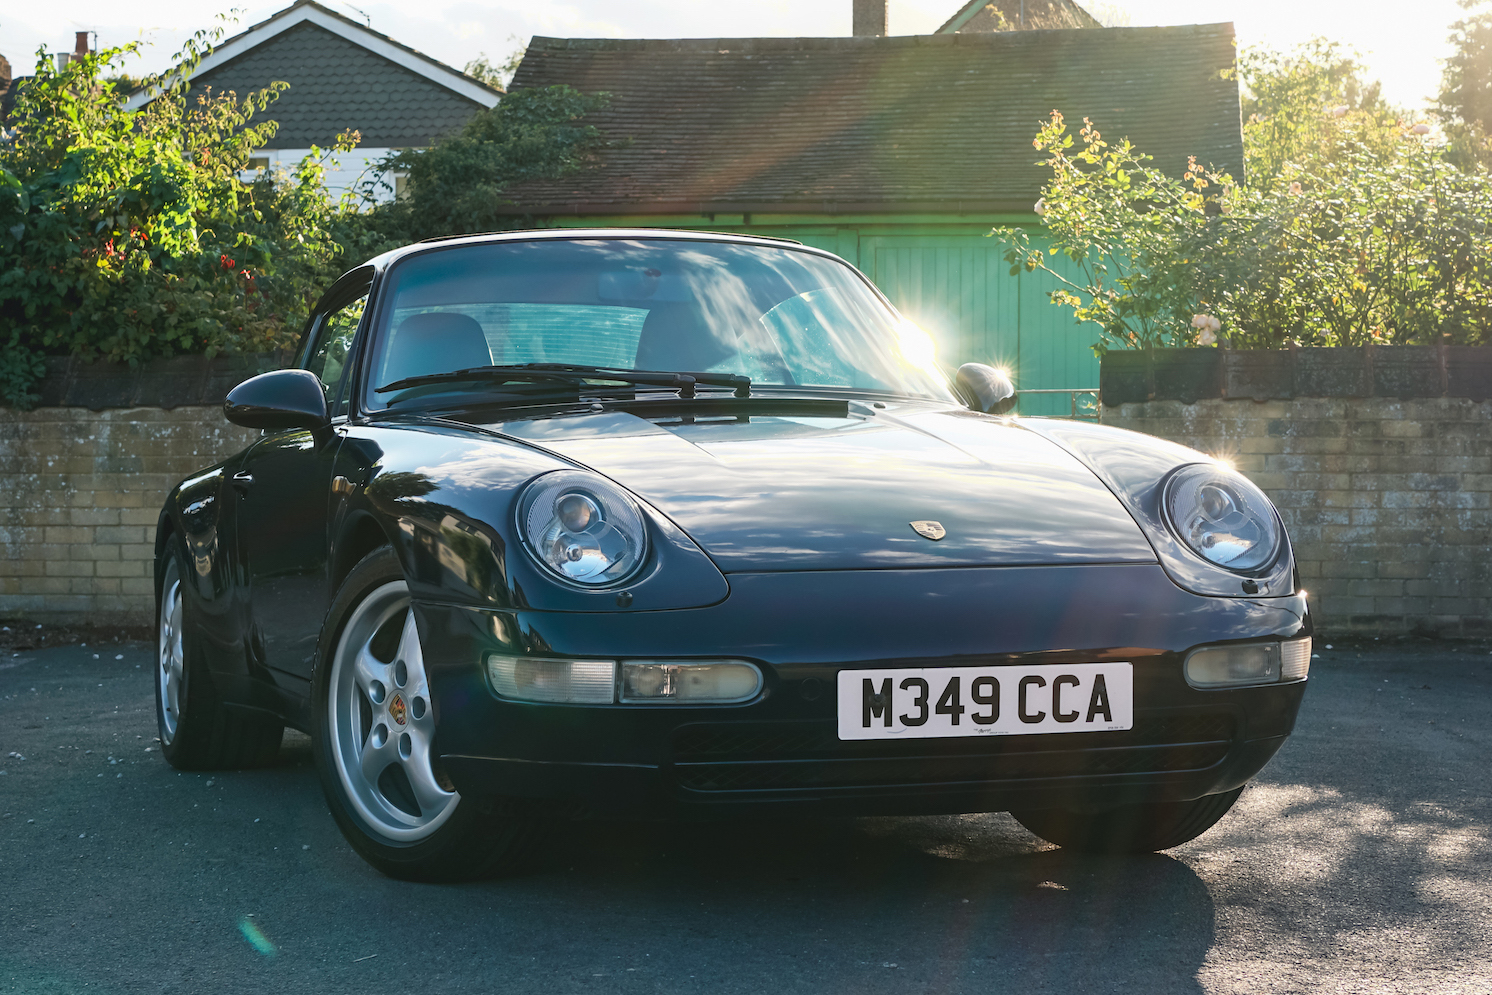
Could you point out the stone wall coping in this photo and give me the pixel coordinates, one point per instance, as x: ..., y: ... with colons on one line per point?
x: 1195, y: 374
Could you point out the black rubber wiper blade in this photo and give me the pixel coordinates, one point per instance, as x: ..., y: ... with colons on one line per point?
x: 742, y: 384
x: 566, y: 373
x: 519, y: 374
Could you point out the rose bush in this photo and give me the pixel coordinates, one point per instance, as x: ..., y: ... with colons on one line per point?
x: 1352, y: 229
x: 126, y: 235
x: 130, y: 234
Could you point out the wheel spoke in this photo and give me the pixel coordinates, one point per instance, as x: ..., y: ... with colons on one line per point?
x: 427, y: 792
x: 367, y: 669
x: 416, y: 687
x: 376, y: 758
x: 412, y: 655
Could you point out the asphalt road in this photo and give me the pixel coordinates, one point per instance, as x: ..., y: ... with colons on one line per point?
x: 1358, y: 862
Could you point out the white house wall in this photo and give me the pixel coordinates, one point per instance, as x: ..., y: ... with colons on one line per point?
x: 345, y: 171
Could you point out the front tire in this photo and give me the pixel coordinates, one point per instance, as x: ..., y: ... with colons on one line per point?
x: 196, y: 730
x: 374, y: 731
x: 1142, y: 828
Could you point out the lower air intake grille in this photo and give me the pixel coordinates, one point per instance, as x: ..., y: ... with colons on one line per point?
x: 766, y: 756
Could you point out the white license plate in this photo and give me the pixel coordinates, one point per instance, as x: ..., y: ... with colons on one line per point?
x: 940, y: 702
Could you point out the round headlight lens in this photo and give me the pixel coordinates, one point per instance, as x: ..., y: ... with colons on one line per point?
x: 582, y: 528
x: 1223, y: 517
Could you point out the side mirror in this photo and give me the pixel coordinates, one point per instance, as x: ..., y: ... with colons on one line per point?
x: 985, y: 388
x: 277, y: 400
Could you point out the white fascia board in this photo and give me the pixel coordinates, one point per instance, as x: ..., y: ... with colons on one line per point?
x: 436, y: 73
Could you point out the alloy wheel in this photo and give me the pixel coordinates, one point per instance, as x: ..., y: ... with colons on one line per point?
x: 169, y: 658
x: 381, y: 724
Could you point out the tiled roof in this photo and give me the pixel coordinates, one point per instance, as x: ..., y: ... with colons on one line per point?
x: 1018, y: 15
x: 933, y: 122
x: 336, y: 84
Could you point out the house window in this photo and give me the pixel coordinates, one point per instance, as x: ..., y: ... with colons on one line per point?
x: 401, y: 186
x: 258, y: 163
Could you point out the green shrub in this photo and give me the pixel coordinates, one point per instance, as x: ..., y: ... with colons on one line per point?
x: 1306, y: 109
x: 457, y: 185
x: 126, y: 235
x: 1363, y: 240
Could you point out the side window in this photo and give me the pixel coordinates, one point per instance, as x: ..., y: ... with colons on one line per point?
x: 333, y: 344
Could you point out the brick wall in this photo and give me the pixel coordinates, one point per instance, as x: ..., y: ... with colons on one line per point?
x: 1388, y: 501
x: 80, y: 492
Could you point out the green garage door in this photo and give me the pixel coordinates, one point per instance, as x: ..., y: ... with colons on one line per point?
x: 960, y: 289
x: 953, y: 281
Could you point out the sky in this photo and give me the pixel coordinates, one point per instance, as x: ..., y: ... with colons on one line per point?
x: 1401, y: 45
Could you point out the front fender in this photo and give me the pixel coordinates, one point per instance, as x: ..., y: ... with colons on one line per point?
x: 445, y: 497
x: 1133, y: 466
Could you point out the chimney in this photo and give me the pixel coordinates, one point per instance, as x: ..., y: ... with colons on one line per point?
x: 80, y: 50
x: 870, y: 18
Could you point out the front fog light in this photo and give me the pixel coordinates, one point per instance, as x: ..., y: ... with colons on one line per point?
x: 525, y: 678
x: 1248, y: 663
x: 1224, y: 666
x: 690, y: 683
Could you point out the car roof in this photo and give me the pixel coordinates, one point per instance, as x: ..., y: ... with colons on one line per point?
x: 553, y: 234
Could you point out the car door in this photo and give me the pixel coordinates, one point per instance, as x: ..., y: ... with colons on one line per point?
x: 284, y: 490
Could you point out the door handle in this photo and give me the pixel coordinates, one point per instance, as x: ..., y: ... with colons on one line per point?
x: 242, y: 480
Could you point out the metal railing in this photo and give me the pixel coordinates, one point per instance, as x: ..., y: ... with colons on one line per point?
x: 1083, y: 402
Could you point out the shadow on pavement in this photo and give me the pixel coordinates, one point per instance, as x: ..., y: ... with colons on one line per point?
x: 957, y: 902
x: 1358, y: 862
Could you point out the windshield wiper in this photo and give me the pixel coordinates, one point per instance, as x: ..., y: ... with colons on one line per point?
x: 684, y: 383
x: 742, y: 384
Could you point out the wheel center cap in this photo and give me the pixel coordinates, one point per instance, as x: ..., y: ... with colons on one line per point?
x: 397, y: 708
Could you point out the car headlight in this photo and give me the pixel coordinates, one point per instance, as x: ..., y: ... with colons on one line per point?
x: 1222, y: 517
x: 582, y: 528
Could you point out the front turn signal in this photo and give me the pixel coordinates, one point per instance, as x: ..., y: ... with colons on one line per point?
x: 1246, y: 664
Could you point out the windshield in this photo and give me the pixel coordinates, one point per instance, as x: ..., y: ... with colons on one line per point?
x: 780, y: 316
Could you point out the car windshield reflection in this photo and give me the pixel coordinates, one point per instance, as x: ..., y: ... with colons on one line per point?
x: 781, y: 316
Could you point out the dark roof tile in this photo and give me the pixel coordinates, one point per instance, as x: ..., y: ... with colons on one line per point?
x: 1018, y: 15
x: 903, y: 123
x: 335, y: 85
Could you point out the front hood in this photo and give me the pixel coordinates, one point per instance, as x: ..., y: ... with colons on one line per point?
x: 780, y: 492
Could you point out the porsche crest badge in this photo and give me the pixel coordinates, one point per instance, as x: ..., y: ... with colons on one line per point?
x: 397, y: 708
x: 929, y: 530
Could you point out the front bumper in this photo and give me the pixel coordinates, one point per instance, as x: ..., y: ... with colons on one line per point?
x: 781, y: 751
